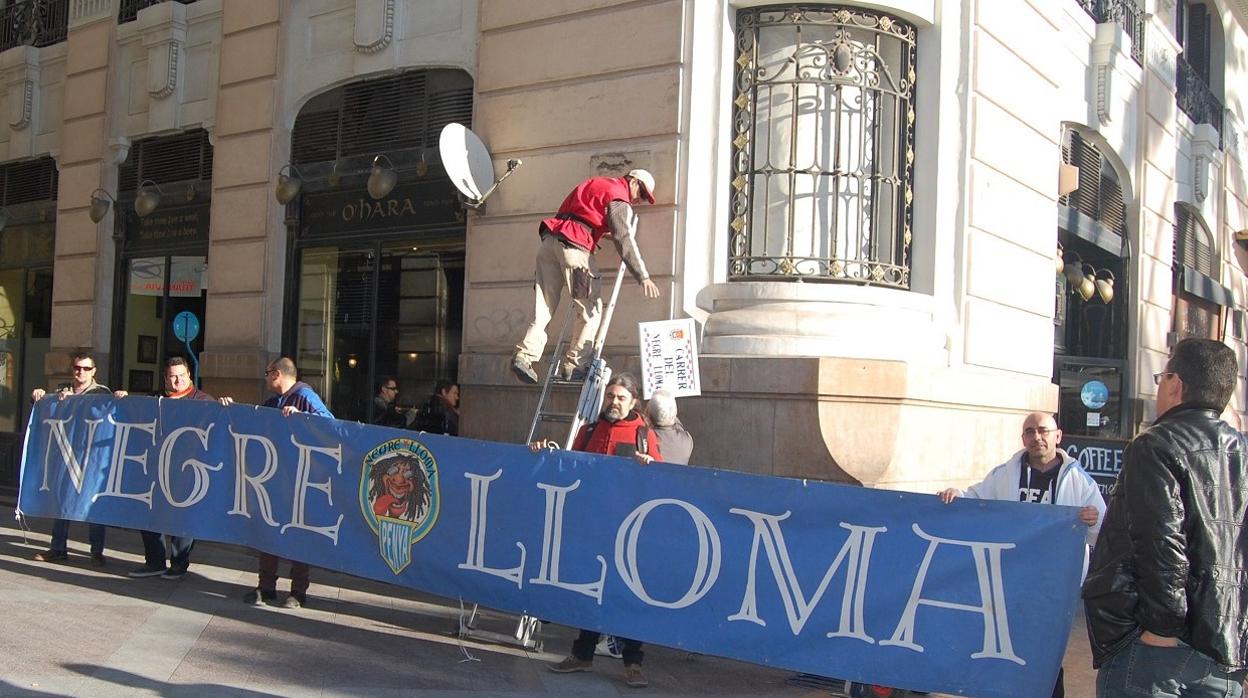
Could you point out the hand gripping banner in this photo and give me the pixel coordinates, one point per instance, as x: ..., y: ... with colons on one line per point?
x: 869, y: 585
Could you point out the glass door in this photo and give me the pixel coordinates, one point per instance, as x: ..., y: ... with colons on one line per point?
x: 374, y: 311
x: 158, y: 290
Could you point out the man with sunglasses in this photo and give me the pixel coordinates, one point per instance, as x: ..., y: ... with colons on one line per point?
x: 1045, y: 474
x: 83, y: 383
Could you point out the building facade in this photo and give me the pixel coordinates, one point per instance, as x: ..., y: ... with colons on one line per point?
x: 898, y: 225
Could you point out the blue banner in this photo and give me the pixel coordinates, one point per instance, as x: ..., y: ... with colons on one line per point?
x: 975, y: 597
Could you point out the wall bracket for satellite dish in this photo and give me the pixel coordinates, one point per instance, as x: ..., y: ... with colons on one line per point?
x: 469, y: 165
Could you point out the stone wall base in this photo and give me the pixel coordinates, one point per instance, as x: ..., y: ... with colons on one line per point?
x: 885, y: 424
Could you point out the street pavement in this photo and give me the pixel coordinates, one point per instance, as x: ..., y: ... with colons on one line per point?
x: 70, y: 629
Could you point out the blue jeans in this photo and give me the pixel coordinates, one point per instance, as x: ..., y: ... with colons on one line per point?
x: 60, y: 537
x: 179, y: 551
x: 1143, y: 670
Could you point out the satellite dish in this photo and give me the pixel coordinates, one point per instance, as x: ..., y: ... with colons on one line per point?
x: 469, y: 164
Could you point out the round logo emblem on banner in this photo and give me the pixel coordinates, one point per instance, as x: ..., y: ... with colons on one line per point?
x: 399, y: 497
x: 1094, y: 395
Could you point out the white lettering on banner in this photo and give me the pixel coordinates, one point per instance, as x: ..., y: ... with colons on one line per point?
x: 303, y: 484
x: 56, y: 432
x: 987, y: 556
x: 552, y: 545
x: 242, y: 480
x: 704, y: 575
x: 475, y: 560
x: 200, y: 489
x: 116, y: 470
x: 855, y: 553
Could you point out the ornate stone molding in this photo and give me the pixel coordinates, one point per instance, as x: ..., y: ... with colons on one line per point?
x: 21, y: 83
x: 163, y: 28
x: 371, y: 13
x: 119, y: 150
x: 1206, y: 161
x: 161, y: 84
x: 1106, y: 47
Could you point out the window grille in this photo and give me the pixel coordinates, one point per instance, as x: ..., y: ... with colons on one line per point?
x: 1099, y: 195
x: 823, y: 146
x: 389, y: 114
x: 28, y: 181
x: 1193, y: 243
x: 175, y: 158
x: 33, y: 23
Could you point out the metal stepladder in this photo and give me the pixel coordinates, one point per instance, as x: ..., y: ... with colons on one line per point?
x: 592, y: 388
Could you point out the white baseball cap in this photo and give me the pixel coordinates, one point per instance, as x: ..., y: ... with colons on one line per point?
x: 647, y: 183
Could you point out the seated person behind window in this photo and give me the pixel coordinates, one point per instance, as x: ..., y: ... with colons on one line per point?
x: 441, y: 414
x: 386, y: 412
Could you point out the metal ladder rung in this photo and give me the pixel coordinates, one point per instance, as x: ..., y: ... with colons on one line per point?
x: 560, y: 417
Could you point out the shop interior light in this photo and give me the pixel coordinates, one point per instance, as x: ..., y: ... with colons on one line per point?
x: 101, y: 201
x: 333, y: 178
x: 147, y: 198
x: 382, y: 178
x: 288, y: 185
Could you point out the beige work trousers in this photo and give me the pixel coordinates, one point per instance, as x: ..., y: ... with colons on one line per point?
x: 555, y: 262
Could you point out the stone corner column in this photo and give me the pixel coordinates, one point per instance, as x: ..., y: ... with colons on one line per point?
x: 82, y: 290
x: 247, y: 238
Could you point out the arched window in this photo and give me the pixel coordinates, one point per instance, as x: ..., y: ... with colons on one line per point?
x: 823, y: 146
x: 1199, y: 298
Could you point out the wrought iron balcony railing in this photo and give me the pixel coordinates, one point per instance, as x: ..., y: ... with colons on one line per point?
x: 1196, y: 99
x: 130, y: 8
x: 1127, y: 13
x: 33, y: 23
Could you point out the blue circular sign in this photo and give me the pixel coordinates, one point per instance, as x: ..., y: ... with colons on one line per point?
x: 185, y: 326
x: 1094, y: 395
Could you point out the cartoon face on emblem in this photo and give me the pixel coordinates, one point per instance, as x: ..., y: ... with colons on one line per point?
x: 399, y: 497
x: 398, y: 488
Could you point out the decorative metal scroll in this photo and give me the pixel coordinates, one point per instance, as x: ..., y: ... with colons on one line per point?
x: 823, y: 146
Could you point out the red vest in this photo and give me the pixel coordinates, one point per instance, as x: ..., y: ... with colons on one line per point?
x: 607, y: 437
x: 582, y: 218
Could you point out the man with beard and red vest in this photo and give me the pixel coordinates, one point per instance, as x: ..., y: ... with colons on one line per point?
x: 596, y: 208
x: 619, y: 431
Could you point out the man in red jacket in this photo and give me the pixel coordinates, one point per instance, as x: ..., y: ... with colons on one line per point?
x: 619, y: 431
x: 596, y: 208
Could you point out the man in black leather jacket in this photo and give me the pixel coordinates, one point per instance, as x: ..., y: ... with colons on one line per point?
x: 1166, y: 595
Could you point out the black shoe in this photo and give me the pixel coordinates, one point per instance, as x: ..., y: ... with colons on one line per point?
x: 174, y: 573
x: 98, y: 560
x: 52, y: 556
x: 295, y: 601
x: 256, y: 597
x: 523, y: 368
x: 146, y: 571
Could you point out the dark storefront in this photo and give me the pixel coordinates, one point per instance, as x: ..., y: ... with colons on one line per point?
x: 27, y: 235
x: 375, y: 285
x: 162, y: 258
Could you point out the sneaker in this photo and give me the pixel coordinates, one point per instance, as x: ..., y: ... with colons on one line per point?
x: 633, y: 677
x: 571, y: 664
x: 523, y: 368
x: 609, y: 646
x: 295, y: 601
x: 146, y: 571
x: 52, y: 556
x: 173, y: 573
x: 256, y: 597
x: 98, y: 560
